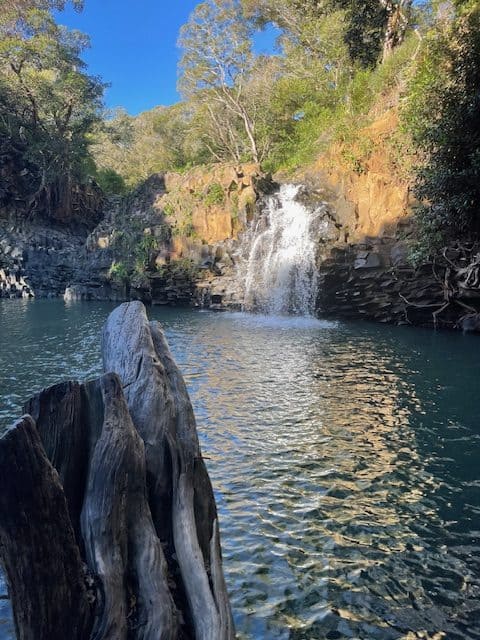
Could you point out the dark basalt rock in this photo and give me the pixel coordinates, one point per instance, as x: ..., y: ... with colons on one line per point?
x: 390, y: 290
x: 470, y: 323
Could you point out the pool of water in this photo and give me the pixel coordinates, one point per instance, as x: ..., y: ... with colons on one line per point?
x: 345, y: 459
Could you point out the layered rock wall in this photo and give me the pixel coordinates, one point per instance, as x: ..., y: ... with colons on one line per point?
x: 183, y: 219
x: 364, y: 265
x: 40, y: 257
x: 42, y: 231
x: 367, y: 273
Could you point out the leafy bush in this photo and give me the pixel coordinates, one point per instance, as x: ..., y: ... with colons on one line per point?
x: 111, y: 182
x: 134, y: 251
x: 169, y: 209
x: 181, y: 269
x: 118, y: 272
x: 442, y: 114
x: 184, y: 226
x: 144, y: 249
x: 339, y: 116
x: 215, y: 195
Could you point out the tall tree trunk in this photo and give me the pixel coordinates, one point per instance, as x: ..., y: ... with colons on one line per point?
x: 398, y: 19
x: 251, y: 137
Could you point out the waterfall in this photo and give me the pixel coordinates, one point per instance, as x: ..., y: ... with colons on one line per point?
x: 281, y: 267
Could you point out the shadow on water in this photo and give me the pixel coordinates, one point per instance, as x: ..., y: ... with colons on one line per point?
x: 344, y: 458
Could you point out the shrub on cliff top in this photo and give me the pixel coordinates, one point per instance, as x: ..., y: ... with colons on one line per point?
x: 215, y: 195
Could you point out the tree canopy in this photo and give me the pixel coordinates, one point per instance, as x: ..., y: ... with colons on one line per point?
x: 334, y: 63
x: 48, y: 103
x: 447, y: 75
x: 216, y: 65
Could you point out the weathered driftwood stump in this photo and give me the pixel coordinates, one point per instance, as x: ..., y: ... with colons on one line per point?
x: 108, y: 524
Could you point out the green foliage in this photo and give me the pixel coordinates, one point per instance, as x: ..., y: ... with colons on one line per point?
x: 15, y: 14
x: 135, y: 248
x: 111, y: 183
x: 48, y: 103
x: 118, y: 272
x: 340, y: 115
x: 169, y: 209
x: 137, y: 147
x: 144, y: 250
x: 366, y: 22
x: 183, y: 269
x: 188, y: 230
x: 137, y: 267
x: 217, y: 50
x: 185, y: 227
x: 442, y: 114
x: 279, y: 109
x: 355, y: 154
x: 215, y: 195
x: 216, y: 64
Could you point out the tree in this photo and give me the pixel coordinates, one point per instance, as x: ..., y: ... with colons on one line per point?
x: 365, y: 27
x: 442, y: 114
x: 398, y: 13
x: 48, y: 104
x: 301, y: 24
x: 136, y: 147
x: 216, y: 63
x: 171, y: 125
x: 14, y: 12
x: 374, y: 27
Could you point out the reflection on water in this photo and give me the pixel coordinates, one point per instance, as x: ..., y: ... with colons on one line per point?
x: 344, y: 458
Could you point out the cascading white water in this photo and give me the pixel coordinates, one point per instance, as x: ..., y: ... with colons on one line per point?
x: 281, y: 274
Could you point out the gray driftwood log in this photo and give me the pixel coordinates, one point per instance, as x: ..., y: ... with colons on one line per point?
x: 108, y: 524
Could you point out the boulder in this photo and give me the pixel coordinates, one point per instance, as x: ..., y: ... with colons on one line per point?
x: 368, y: 260
x: 470, y: 323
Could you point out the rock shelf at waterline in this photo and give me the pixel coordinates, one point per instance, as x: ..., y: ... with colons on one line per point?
x: 108, y: 524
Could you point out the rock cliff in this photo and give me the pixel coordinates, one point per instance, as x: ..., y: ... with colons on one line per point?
x: 182, y: 239
x: 41, y: 229
x: 364, y: 265
x: 148, y: 245
x: 155, y: 244
x: 368, y: 271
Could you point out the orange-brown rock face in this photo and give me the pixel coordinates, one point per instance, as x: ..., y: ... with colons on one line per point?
x: 210, y: 204
x: 364, y: 184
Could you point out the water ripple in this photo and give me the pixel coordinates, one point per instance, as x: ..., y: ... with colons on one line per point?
x: 343, y: 456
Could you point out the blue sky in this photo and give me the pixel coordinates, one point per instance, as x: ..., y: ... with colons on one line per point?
x: 134, y: 48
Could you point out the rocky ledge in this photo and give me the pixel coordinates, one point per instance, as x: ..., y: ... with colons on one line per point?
x: 13, y: 284
x: 370, y: 278
x: 160, y: 242
x: 194, y: 233
x: 376, y: 281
